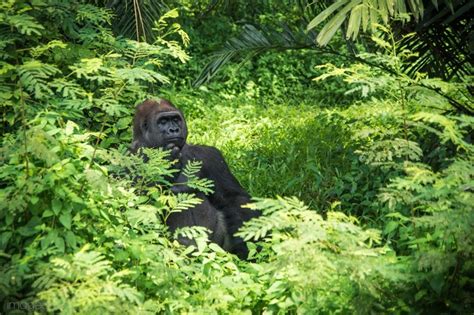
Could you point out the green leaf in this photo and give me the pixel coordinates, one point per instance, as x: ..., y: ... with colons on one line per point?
x: 333, y: 25
x: 390, y: 227
x: 49, y: 239
x: 123, y: 123
x: 47, y: 214
x: 9, y: 219
x: 4, y: 238
x: 56, y: 205
x: 325, y: 14
x: 437, y: 283
x: 420, y: 295
x: 65, y: 219
x: 70, y: 239
x: 354, y: 22
x: 31, y: 227
x: 34, y: 200
x: 59, y: 242
x: 25, y: 24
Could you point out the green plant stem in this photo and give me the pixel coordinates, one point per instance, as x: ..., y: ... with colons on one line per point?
x: 23, y: 123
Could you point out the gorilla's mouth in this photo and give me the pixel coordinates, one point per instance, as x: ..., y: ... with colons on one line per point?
x: 174, y: 142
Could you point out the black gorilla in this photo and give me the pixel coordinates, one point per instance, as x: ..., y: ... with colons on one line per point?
x: 158, y: 124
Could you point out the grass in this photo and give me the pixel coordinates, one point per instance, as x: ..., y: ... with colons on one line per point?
x: 275, y: 149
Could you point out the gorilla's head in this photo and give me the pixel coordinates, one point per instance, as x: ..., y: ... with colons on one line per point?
x: 158, y: 124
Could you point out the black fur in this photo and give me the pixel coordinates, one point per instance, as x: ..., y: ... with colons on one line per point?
x: 221, y: 212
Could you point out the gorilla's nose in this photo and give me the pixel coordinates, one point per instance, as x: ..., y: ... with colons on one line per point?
x: 173, y: 130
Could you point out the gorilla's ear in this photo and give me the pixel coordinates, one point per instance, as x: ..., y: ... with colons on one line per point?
x: 144, y: 124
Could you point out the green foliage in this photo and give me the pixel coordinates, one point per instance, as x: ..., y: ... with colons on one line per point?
x: 437, y: 37
x: 96, y: 73
x: 430, y: 214
x: 363, y: 15
x: 202, y: 184
x: 85, y: 283
x: 381, y: 215
x: 251, y: 42
x: 386, y: 72
x: 301, y: 239
x: 439, y: 30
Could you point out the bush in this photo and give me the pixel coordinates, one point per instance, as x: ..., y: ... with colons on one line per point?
x: 385, y: 218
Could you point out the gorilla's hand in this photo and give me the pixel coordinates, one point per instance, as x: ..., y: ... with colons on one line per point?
x: 175, y: 151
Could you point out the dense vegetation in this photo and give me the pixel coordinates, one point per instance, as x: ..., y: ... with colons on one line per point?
x: 359, y: 154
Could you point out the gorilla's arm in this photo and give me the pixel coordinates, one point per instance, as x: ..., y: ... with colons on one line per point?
x: 204, y: 215
x: 228, y: 196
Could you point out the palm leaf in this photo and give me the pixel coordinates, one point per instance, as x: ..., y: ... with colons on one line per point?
x: 442, y: 41
x: 362, y: 13
x: 253, y: 41
x: 442, y: 30
x: 135, y: 18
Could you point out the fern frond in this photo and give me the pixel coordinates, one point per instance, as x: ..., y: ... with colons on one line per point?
x: 34, y: 76
x: 93, y: 14
x: 25, y: 24
x: 131, y: 75
x: 68, y: 89
x: 451, y: 130
x: 146, y: 215
x: 202, y: 184
x: 86, y: 282
x: 181, y: 202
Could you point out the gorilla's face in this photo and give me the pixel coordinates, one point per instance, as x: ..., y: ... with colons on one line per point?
x: 166, y: 130
x: 158, y: 124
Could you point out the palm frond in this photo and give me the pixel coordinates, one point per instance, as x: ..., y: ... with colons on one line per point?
x: 135, y: 18
x: 253, y: 41
x: 442, y: 30
x: 362, y: 14
x: 441, y: 41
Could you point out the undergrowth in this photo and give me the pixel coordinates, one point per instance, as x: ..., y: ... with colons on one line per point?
x: 366, y: 208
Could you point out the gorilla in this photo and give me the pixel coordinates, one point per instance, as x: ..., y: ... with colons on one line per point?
x: 159, y: 124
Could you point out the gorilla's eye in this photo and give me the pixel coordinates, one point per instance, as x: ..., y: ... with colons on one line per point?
x: 176, y: 119
x: 162, y: 121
